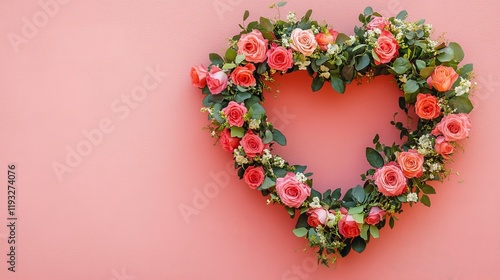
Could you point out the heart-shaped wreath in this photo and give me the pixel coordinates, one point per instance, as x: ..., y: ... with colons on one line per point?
x: 435, y: 92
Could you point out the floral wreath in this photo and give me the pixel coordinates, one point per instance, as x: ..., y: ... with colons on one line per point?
x: 435, y: 91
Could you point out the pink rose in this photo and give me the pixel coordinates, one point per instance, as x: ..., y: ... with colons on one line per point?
x: 427, y: 106
x: 253, y: 46
x: 317, y: 216
x: 453, y: 127
x: 234, y: 113
x: 443, y: 147
x: 243, y: 75
x: 254, y: 176
x: 390, y: 180
x: 347, y: 225
x: 291, y: 191
x: 216, y: 80
x: 375, y: 216
x: 324, y: 39
x: 279, y: 58
x: 252, y: 144
x: 411, y: 162
x: 227, y: 142
x: 377, y: 22
x: 303, y: 41
x: 387, y: 48
x: 442, y: 78
x: 198, y: 76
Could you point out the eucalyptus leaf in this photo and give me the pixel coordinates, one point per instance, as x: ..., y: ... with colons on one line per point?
x: 374, y: 158
x: 462, y: 104
x: 300, y: 232
x: 279, y: 137
x: 358, y: 244
x: 337, y: 84
x: 401, y: 65
x: 215, y: 59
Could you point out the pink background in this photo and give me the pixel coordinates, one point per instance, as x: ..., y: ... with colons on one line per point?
x: 117, y: 215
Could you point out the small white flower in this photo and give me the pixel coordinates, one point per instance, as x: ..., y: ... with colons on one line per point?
x: 291, y: 17
x: 412, y: 197
x: 352, y: 40
x: 332, y: 220
x: 463, y: 87
x: 241, y: 160
x: 212, y: 133
x: 266, y: 156
x: 425, y: 144
x: 254, y: 124
x: 300, y: 177
x: 315, y: 203
x: 333, y: 49
x: 303, y: 64
x: 278, y: 161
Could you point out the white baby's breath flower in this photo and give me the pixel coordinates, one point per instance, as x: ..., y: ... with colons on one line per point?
x: 315, y: 203
x: 412, y: 197
x: 241, y: 160
x: 333, y: 49
x: 291, y: 17
x: 351, y: 41
x: 463, y: 87
x: 332, y: 220
x: 300, y: 177
x: 425, y: 144
x: 303, y: 64
x: 266, y: 156
x: 254, y: 124
x: 278, y: 161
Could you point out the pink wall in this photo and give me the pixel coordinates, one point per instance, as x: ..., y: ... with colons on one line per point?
x: 115, y: 213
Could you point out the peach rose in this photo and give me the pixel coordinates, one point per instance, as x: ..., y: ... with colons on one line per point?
x: 252, y: 144
x: 254, y: 176
x: 198, y: 75
x: 216, y: 80
x: 324, y: 39
x: 347, y: 225
x: 375, y: 216
x: 253, y: 46
x: 453, y: 127
x: 442, y: 78
x: 377, y: 22
x: 387, y: 48
x: 411, y: 163
x: 279, y: 58
x: 243, y: 75
x: 303, y: 41
x: 427, y: 106
x: 443, y: 147
x: 390, y: 180
x: 317, y: 216
x: 291, y: 191
x: 234, y: 113
x: 227, y: 142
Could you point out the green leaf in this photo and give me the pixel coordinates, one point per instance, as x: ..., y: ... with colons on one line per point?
x: 268, y: 182
x: 317, y: 83
x: 337, y: 84
x: 411, y: 86
x: 374, y: 232
x: 374, y: 158
x: 402, y: 15
x: 266, y: 24
x: 358, y: 193
x: 420, y: 64
x: 337, y: 193
x: 230, y: 54
x: 242, y: 96
x: 237, y: 131
x: 245, y: 15
x: 376, y: 139
x: 341, y: 38
x: 358, y: 218
x: 281, y: 4
x: 300, y: 232
x: 391, y: 222
x: 425, y: 200
x: 401, y: 65
x: 217, y: 117
x: 358, y: 244
x: 302, y: 221
x: 268, y: 137
x: 445, y: 54
x: 228, y: 66
x: 428, y: 189
x: 257, y: 111
x: 363, y: 62
x: 462, y: 104
x: 426, y: 72
x: 216, y: 59
x: 356, y: 210
x: 239, y: 58
x: 368, y: 11
x: 364, y: 231
x: 465, y: 70
x: 457, y: 50
x: 279, y: 137
x: 300, y: 168
x: 307, y: 15
x: 262, y: 68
